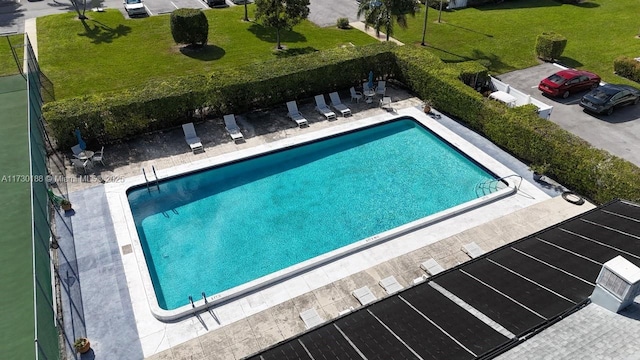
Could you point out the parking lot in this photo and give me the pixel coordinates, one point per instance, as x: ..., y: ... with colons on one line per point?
x: 155, y: 7
x: 618, y: 133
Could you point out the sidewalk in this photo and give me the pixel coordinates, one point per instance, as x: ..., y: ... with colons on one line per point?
x: 372, y: 32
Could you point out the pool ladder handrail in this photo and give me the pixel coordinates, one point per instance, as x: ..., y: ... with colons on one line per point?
x: 488, y: 183
x: 146, y: 181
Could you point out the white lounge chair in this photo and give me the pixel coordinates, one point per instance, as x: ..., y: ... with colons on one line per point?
x: 390, y: 285
x: 355, y: 95
x: 192, y: 138
x: 323, y: 109
x: 382, y: 88
x: 338, y: 105
x: 311, y: 318
x: 366, y: 88
x: 385, y: 103
x: 364, y: 295
x: 473, y: 250
x: 232, y: 127
x: 431, y: 267
x: 295, y: 115
x: 98, y: 156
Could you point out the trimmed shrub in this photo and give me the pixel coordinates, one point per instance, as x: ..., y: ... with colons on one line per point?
x: 627, y: 67
x: 189, y: 26
x: 549, y: 46
x: 162, y: 104
x: 343, y: 23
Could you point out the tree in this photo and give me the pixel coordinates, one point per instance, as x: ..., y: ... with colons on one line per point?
x: 281, y: 14
x: 80, y: 7
x: 381, y: 14
x: 189, y: 26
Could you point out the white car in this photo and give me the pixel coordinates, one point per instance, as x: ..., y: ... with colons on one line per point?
x: 135, y: 7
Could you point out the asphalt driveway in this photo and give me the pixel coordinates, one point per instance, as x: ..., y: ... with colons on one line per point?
x: 619, y: 133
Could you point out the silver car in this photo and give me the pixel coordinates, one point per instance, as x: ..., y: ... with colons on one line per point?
x: 135, y: 7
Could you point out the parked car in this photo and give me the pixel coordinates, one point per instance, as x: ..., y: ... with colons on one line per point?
x: 568, y: 81
x: 605, y: 98
x: 217, y: 3
x: 134, y: 7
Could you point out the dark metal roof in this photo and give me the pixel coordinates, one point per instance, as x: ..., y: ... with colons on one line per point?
x: 524, y: 286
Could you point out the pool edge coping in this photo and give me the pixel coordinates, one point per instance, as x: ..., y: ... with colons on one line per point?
x: 200, y: 305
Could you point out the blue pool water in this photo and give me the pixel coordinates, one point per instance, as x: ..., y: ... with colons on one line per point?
x: 219, y: 228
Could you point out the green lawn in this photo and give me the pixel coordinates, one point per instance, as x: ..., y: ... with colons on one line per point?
x: 7, y: 62
x: 504, y: 34
x: 109, y: 52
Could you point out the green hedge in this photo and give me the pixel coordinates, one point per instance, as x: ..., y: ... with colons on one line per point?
x: 627, y: 67
x: 111, y: 117
x: 549, y: 46
x: 572, y: 161
x: 189, y: 26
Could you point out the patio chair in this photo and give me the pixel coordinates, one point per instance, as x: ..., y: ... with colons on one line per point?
x: 192, y: 138
x: 382, y: 88
x: 323, y: 109
x: 98, y: 156
x: 390, y: 285
x: 76, y: 150
x: 311, y: 318
x: 232, y: 128
x: 364, y: 295
x: 338, y: 105
x: 295, y: 115
x: 472, y: 249
x: 355, y: 95
x: 81, y: 165
x: 385, y: 103
x: 431, y: 267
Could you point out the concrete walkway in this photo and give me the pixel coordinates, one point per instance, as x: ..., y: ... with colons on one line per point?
x: 372, y: 32
x: 32, y: 32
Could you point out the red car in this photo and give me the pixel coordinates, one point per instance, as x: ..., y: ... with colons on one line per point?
x: 565, y: 82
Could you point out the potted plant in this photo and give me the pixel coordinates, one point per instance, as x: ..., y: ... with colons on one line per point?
x: 539, y: 170
x: 82, y: 345
x: 65, y: 204
x: 427, y: 107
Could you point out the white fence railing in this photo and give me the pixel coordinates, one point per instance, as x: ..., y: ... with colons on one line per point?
x: 520, y: 98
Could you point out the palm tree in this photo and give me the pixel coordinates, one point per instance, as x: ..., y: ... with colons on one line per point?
x: 381, y: 14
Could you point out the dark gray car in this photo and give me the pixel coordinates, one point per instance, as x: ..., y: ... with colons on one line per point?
x: 604, y: 99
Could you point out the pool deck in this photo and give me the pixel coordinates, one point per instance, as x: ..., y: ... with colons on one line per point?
x: 116, y: 311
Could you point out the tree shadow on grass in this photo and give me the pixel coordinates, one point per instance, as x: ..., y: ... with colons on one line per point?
x: 269, y: 34
x: 203, y: 53
x: 588, y: 5
x: 491, y: 61
x: 101, y: 33
x: 294, y: 52
x: 522, y: 4
x: 569, y: 62
x: 471, y: 30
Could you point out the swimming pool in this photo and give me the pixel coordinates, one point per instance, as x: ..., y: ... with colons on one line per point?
x: 236, y: 226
